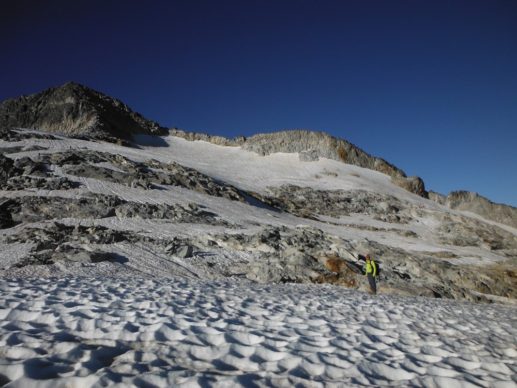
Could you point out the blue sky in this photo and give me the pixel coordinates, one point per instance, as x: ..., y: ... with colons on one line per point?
x: 431, y: 86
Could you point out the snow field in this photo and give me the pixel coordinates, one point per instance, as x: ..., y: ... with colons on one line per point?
x: 250, y: 171
x: 181, y: 332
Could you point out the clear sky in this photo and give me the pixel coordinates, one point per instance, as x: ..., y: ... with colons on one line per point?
x: 429, y: 85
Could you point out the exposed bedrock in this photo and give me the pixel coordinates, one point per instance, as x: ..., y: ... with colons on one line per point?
x: 29, y: 209
x: 463, y: 231
x: 310, y: 255
x: 475, y: 203
x: 309, y: 203
x: 118, y: 169
x: 59, y: 242
x: 7, y: 169
x: 25, y: 173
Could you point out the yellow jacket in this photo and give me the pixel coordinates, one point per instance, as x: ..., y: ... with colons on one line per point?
x: 371, y: 268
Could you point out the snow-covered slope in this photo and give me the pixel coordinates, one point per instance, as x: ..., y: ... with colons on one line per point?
x: 227, y: 206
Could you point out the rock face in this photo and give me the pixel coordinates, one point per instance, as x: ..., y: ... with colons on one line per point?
x: 219, y: 140
x: 309, y: 203
x: 475, y: 203
x: 412, y: 184
x: 77, y: 111
x: 7, y: 169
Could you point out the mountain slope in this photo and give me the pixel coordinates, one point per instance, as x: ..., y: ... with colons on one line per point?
x: 236, y: 263
x: 281, y: 207
x: 310, y: 146
x: 196, y: 209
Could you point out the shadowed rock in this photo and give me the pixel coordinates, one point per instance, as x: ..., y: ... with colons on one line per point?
x: 76, y: 111
x: 29, y: 209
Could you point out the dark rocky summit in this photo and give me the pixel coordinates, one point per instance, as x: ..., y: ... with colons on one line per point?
x: 75, y: 110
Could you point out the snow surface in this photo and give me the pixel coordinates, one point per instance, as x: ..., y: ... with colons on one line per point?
x: 79, y: 332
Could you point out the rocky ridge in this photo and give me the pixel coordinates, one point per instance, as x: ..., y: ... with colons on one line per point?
x: 76, y: 110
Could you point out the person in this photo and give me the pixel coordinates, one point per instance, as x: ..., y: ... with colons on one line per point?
x: 371, y: 272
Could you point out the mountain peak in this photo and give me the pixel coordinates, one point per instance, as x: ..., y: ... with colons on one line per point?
x: 73, y: 109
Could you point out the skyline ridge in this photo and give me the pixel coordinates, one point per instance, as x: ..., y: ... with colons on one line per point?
x: 81, y: 88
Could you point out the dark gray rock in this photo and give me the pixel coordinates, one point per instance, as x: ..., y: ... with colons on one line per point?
x: 8, y: 134
x: 31, y: 182
x: 309, y: 203
x: 146, y: 175
x: 77, y: 111
x: 184, y: 251
x: 6, y: 219
x: 7, y: 169
x: 29, y: 209
x: 25, y: 173
x: 31, y: 167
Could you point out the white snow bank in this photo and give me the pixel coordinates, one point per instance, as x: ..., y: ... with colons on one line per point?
x: 180, y: 332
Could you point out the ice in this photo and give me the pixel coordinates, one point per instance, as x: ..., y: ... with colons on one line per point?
x: 168, y: 332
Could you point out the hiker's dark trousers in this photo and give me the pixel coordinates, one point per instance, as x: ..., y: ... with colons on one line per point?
x: 373, y: 285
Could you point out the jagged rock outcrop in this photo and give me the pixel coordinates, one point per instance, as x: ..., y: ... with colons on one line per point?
x: 309, y: 203
x: 144, y: 175
x: 219, y: 140
x: 475, y: 203
x: 320, y: 144
x: 77, y: 111
x: 58, y: 242
x: 29, y: 209
x: 7, y: 169
x: 413, y: 184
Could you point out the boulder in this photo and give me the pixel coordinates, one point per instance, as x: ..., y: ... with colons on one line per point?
x: 7, y: 169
